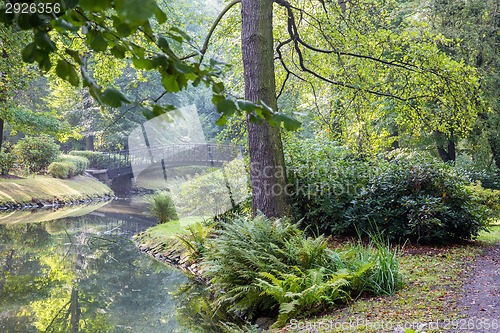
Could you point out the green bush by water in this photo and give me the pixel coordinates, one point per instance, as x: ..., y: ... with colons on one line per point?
x: 162, y: 207
x: 36, y: 153
x: 99, y: 160
x: 62, y: 170
x: 7, y: 161
x: 81, y: 163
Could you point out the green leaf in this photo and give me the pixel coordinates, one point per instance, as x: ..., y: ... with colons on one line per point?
x: 183, y: 68
x: 73, y: 79
x: 289, y: 123
x: 98, y: 43
x: 95, y: 5
x: 181, y: 33
x: 135, y: 11
x: 62, y: 25
x: 246, y: 106
x: 29, y: 53
x: 161, y: 17
x: 123, y: 30
x: 75, y: 55
x: 222, y: 120
x: 169, y: 82
x: 66, y: 71
x: 42, y: 39
x: 141, y: 63
x: 44, y: 61
x: 165, y: 46
x: 118, y: 51
x: 181, y: 80
x: 226, y: 106
x: 62, y: 69
x: 114, y: 98
x: 218, y: 87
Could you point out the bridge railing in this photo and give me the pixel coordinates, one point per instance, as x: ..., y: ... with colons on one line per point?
x: 210, y: 153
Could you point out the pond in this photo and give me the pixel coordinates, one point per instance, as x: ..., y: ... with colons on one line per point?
x: 84, y: 274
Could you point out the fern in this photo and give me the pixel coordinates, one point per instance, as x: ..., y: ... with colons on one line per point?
x: 258, y: 266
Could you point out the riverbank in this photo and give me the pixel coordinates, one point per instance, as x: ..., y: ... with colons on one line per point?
x: 431, y: 300
x: 162, y: 242
x: 39, y: 191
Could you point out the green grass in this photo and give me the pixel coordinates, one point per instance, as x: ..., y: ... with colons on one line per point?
x: 166, y: 233
x: 46, y: 188
x: 491, y: 236
x: 172, y: 228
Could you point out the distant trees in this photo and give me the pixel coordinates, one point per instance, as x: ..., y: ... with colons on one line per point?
x: 371, y: 72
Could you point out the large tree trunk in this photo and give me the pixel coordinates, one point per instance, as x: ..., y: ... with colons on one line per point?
x: 267, y: 165
x: 1, y: 132
x: 5, y: 56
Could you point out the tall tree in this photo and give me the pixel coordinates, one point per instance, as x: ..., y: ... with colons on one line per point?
x: 267, y: 165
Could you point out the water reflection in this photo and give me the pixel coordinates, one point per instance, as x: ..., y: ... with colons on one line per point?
x: 83, y: 274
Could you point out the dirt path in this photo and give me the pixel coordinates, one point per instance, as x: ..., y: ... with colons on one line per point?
x: 481, y: 300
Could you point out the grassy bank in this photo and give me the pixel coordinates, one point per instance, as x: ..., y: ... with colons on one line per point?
x: 46, y: 190
x: 433, y: 278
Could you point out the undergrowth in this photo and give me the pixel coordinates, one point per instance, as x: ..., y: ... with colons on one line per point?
x: 261, y: 266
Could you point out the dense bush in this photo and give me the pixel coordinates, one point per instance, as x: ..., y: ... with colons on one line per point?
x: 81, y: 163
x: 62, y: 170
x: 259, y: 266
x: 410, y: 196
x: 162, y: 207
x: 99, y: 160
x: 7, y: 161
x: 36, y: 153
x: 416, y: 198
x: 323, y: 181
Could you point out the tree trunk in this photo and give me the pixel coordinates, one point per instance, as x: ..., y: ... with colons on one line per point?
x: 89, y: 142
x: 267, y: 165
x: 450, y: 154
x: 1, y: 133
x: 5, y: 56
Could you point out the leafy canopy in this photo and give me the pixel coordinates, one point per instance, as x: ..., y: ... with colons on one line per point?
x: 126, y: 29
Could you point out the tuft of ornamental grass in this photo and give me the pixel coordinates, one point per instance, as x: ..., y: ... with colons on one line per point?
x: 162, y: 207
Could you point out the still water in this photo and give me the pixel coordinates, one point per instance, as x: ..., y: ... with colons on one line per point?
x: 84, y: 274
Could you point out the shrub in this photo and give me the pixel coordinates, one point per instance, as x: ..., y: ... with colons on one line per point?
x: 59, y: 170
x: 100, y: 160
x: 214, y: 192
x: 417, y: 198
x: 162, y: 207
x: 81, y: 163
x: 7, y: 161
x: 487, y: 201
x: 36, y: 153
x: 262, y: 266
x: 323, y: 181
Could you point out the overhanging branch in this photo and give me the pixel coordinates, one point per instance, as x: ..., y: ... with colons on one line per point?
x: 219, y: 18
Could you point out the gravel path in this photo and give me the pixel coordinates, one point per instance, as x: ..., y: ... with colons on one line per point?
x: 481, y: 299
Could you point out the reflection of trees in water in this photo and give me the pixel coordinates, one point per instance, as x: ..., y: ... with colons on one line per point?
x: 198, y: 313
x: 72, y: 275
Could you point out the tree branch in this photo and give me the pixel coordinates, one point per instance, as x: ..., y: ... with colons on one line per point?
x: 212, y: 30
